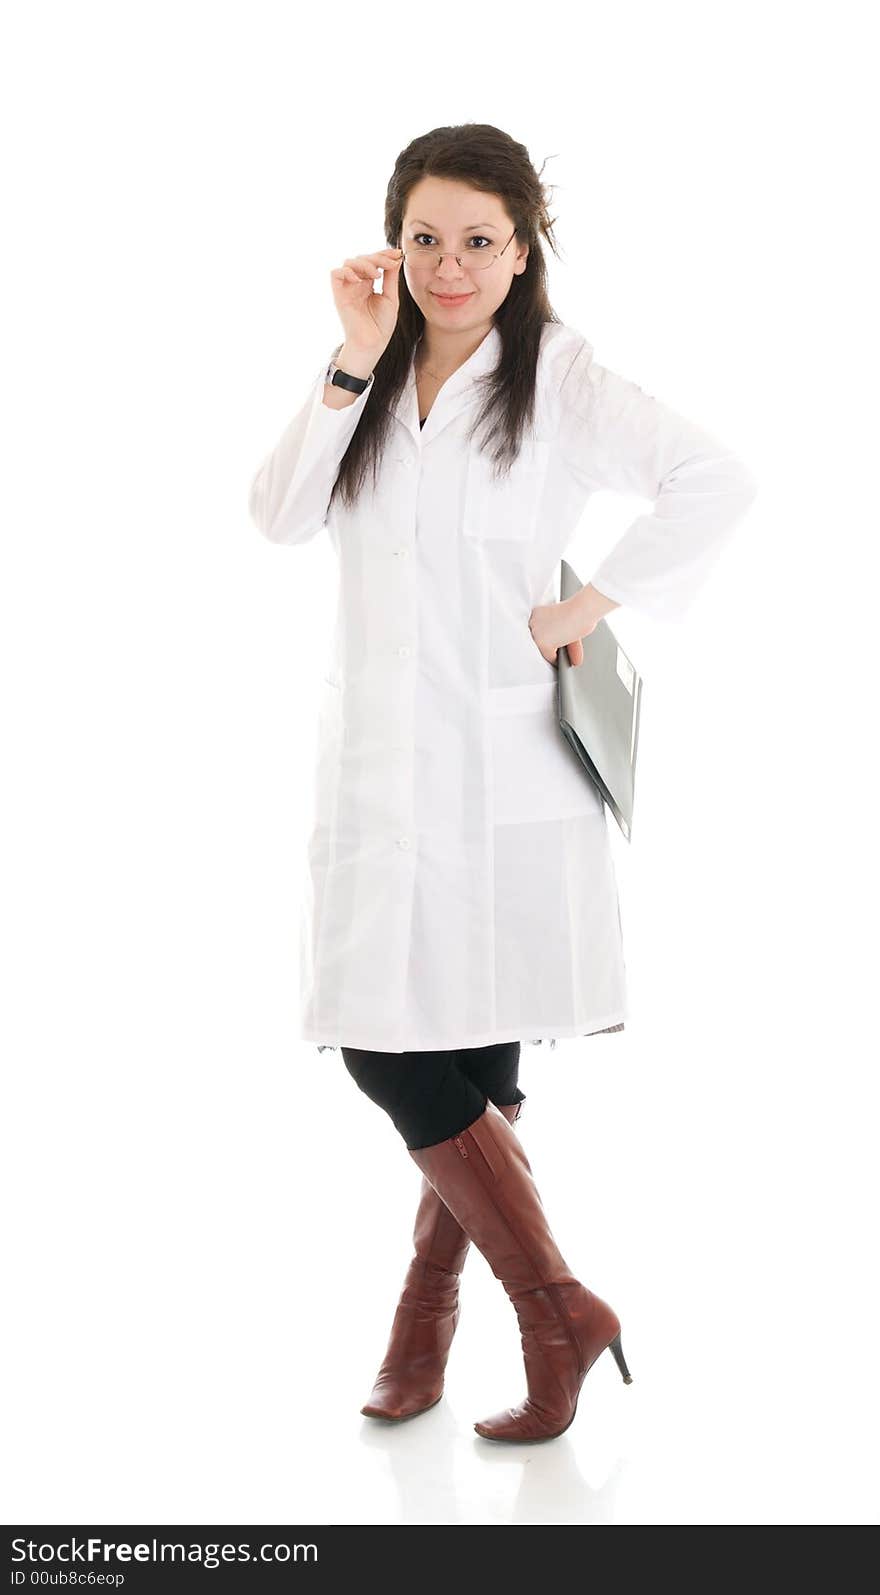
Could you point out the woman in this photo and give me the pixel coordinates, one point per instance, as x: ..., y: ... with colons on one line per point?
x: 461, y: 892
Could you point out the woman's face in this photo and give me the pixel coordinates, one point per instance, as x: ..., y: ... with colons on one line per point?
x: 444, y: 214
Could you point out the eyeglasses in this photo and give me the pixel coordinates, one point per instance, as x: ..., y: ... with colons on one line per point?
x: 480, y: 259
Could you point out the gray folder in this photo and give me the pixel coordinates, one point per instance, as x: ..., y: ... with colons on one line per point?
x: 599, y: 705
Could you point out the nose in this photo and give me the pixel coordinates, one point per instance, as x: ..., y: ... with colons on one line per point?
x: 453, y: 274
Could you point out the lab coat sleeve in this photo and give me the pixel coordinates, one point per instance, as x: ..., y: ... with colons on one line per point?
x: 290, y: 494
x: 614, y: 435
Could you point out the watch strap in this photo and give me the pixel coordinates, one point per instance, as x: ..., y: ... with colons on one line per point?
x: 343, y: 379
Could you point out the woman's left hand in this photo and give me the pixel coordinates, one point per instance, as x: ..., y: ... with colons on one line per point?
x: 555, y: 626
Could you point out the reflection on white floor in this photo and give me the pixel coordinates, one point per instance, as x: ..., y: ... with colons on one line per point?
x: 253, y: 1251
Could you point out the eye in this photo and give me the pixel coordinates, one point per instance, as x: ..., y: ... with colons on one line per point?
x: 418, y: 237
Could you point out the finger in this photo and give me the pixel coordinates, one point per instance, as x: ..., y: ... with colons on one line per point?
x: 348, y: 276
x: 364, y: 269
x: 388, y: 259
x: 380, y: 260
x: 385, y: 273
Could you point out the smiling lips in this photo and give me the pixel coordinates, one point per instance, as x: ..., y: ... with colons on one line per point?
x: 452, y: 299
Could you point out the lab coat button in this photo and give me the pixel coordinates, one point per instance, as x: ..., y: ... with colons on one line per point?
x: 404, y: 652
x: 403, y: 841
x: 401, y: 552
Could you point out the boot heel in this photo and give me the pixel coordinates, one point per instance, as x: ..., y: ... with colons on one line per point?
x: 617, y: 1353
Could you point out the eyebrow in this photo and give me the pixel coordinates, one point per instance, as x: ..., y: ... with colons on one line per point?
x: 417, y: 221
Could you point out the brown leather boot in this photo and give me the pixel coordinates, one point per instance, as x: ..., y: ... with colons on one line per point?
x: 410, y: 1379
x: 485, y: 1180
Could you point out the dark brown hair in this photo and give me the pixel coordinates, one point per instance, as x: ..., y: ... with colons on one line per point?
x: 490, y: 160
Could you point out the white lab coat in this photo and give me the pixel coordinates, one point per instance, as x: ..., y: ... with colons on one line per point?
x: 461, y: 890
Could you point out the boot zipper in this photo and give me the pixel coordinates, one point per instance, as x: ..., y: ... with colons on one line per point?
x: 556, y: 1293
x: 461, y: 1146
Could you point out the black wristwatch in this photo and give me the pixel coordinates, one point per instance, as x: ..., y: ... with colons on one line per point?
x: 344, y: 379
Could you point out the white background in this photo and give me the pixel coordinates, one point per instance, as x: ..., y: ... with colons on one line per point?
x: 207, y: 1225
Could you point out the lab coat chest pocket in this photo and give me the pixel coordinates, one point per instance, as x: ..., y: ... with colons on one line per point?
x: 506, y: 506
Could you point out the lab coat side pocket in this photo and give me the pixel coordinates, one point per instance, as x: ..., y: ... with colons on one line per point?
x: 506, y: 507
x: 536, y: 774
x: 327, y: 757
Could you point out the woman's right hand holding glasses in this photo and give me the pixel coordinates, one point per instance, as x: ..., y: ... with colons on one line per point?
x: 368, y: 318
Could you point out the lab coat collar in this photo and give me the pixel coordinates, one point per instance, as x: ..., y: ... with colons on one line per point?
x: 457, y: 392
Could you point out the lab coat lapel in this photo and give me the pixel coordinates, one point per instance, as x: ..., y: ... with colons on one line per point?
x: 457, y: 392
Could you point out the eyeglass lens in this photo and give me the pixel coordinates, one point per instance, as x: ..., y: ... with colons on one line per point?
x: 477, y: 259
